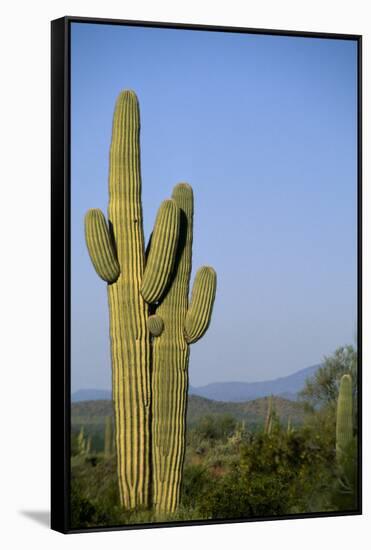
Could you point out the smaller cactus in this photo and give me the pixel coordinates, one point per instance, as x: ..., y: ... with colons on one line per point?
x: 269, y: 418
x: 88, y: 449
x: 344, y: 416
x: 290, y: 429
x: 81, y: 442
x: 108, y: 437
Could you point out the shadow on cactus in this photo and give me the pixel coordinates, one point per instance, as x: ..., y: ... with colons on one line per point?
x: 152, y: 320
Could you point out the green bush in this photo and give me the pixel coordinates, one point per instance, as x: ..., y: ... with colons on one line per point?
x: 197, y: 482
x: 231, y: 472
x: 215, y: 427
x: 277, y: 474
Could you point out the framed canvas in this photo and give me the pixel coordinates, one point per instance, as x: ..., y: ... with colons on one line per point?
x: 206, y: 274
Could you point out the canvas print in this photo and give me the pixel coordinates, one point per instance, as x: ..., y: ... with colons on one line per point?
x: 214, y: 281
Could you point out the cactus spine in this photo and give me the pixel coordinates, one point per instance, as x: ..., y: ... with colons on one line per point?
x: 151, y: 325
x: 344, y: 416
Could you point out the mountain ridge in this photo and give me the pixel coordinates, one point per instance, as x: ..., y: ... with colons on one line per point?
x: 286, y: 387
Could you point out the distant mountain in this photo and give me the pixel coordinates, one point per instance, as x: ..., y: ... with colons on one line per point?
x: 91, y: 414
x: 286, y: 387
x: 90, y: 395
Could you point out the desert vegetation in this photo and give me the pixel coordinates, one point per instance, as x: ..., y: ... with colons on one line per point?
x: 268, y: 457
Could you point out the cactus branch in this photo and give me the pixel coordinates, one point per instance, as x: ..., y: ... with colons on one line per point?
x: 199, y: 313
x: 155, y: 325
x: 161, y: 255
x: 101, y: 250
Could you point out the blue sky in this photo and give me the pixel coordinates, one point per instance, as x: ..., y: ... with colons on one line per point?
x: 264, y: 129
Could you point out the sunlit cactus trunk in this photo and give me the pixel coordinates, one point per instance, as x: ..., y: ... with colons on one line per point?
x: 117, y: 252
x: 129, y: 337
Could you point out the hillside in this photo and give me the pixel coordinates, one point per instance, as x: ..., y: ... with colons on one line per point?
x: 92, y: 413
x: 252, y: 412
x: 286, y: 387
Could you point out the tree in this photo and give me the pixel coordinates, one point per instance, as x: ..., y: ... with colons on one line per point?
x: 323, y: 388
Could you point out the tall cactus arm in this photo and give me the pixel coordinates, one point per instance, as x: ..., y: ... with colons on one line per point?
x: 162, y: 252
x: 201, y: 306
x: 100, y: 247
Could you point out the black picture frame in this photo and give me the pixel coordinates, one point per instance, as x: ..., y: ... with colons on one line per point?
x: 60, y: 266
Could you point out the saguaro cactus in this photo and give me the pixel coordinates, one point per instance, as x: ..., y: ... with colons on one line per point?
x: 108, y: 437
x: 89, y: 445
x: 148, y: 304
x: 117, y: 253
x: 82, y: 442
x: 269, y: 417
x: 183, y: 324
x: 290, y: 430
x: 344, y: 416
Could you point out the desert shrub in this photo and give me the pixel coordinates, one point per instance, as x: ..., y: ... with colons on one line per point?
x: 225, y: 498
x: 85, y: 513
x: 277, y: 474
x: 345, y: 489
x: 215, y: 427
x: 197, y: 482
